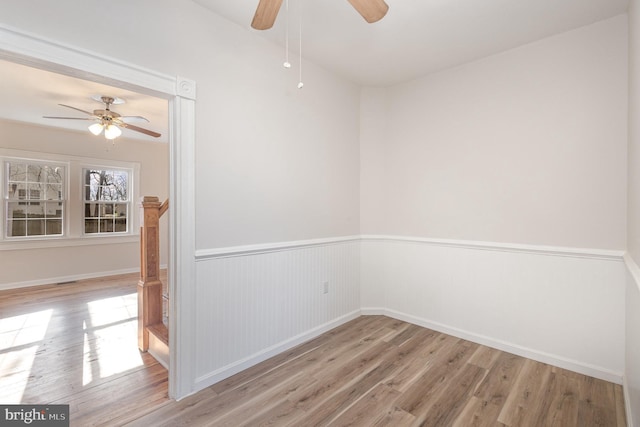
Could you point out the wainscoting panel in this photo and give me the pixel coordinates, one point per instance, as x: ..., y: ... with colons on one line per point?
x: 559, y: 306
x: 255, y: 303
x: 632, y: 350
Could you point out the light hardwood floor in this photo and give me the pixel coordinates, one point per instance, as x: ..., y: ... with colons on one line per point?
x: 372, y: 371
x: 76, y: 344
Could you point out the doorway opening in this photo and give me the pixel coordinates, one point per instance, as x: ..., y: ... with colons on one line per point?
x: 40, y: 53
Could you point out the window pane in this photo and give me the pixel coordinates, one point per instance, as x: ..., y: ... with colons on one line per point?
x: 120, y: 210
x: 17, y: 191
x: 106, y: 225
x: 35, y: 227
x: 34, y: 210
x: 121, y: 225
x: 54, y: 227
x: 106, y: 192
x: 35, y: 173
x: 106, y: 185
x: 53, y: 210
x: 91, y: 210
x: 54, y: 174
x: 90, y: 226
x: 53, y: 192
x: 35, y: 191
x: 16, y: 210
x: 27, y: 186
x: 17, y: 171
x: 16, y: 228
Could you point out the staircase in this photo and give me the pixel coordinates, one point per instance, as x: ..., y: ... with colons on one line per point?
x: 153, y: 335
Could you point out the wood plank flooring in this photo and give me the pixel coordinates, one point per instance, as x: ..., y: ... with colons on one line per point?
x: 376, y: 371
x: 76, y: 344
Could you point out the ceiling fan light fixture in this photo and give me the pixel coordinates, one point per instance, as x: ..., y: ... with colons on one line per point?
x: 109, y: 121
x: 96, y: 128
x: 112, y: 132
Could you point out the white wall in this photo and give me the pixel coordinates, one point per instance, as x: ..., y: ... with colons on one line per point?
x: 632, y: 368
x: 281, y: 164
x: 524, y: 147
x: 81, y: 260
x: 374, y: 144
x: 262, y: 301
x: 273, y: 163
x: 488, y: 173
x: 558, y: 308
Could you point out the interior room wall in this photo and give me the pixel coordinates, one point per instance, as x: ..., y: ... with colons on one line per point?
x: 527, y: 146
x: 374, y: 144
x: 632, y: 365
x: 66, y: 263
x: 273, y: 164
x: 633, y: 155
x: 491, y: 171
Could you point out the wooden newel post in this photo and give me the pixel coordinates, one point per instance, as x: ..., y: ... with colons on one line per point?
x: 149, y: 286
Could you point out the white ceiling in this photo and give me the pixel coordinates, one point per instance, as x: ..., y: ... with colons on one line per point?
x: 416, y: 37
x: 29, y: 93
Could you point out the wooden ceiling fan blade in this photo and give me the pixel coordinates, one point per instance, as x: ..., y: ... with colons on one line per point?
x: 128, y: 119
x: 67, y: 118
x: 77, y: 109
x: 371, y: 10
x: 141, y: 130
x: 266, y: 14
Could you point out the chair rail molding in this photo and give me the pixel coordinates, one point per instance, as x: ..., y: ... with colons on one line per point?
x: 604, y: 254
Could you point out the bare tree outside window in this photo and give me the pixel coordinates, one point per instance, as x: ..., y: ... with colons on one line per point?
x: 106, y: 194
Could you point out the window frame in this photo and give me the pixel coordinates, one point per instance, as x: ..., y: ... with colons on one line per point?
x: 128, y: 202
x: 6, y: 200
x: 73, y: 224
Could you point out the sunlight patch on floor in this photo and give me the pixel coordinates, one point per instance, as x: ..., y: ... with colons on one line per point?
x: 24, y: 329
x: 110, y: 310
x: 110, y: 338
x: 19, y: 343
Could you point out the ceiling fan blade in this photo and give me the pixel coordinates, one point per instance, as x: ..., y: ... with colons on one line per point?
x: 77, y: 109
x: 141, y: 130
x: 371, y: 10
x: 266, y: 14
x: 128, y: 119
x: 68, y: 118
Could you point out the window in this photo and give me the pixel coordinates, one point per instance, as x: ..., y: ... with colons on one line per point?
x: 106, y: 201
x: 52, y: 200
x: 34, y: 199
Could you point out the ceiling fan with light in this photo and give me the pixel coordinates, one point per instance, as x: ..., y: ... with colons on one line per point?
x: 107, y: 120
x: 267, y: 11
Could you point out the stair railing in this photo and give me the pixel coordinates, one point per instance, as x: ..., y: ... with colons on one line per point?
x: 150, y: 296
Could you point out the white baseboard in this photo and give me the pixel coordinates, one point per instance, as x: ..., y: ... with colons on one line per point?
x: 63, y: 279
x: 627, y: 402
x: 561, y: 362
x: 70, y: 278
x: 218, y: 375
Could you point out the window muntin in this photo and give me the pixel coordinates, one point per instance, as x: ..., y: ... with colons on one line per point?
x: 106, y: 201
x: 34, y: 199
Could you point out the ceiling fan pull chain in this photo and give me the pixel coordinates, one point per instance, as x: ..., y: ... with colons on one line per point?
x: 300, y: 84
x: 286, y: 64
